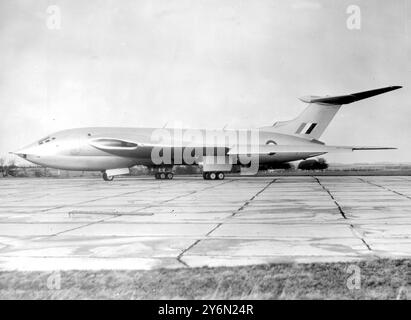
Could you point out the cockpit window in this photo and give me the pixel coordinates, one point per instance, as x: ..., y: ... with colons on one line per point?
x: 45, y: 140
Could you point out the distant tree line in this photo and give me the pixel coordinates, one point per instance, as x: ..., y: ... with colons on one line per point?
x: 7, y: 168
x: 314, y: 164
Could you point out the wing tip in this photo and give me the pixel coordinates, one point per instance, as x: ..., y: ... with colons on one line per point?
x: 388, y: 89
x: 373, y: 148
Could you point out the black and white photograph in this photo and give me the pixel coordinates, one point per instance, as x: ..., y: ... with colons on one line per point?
x: 202, y: 150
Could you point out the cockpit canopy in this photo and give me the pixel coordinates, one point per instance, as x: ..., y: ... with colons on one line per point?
x: 46, y: 140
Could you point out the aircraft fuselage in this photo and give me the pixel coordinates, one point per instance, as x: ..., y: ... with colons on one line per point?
x: 76, y: 149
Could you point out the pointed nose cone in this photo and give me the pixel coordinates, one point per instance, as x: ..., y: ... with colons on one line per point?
x: 31, y: 149
x: 21, y: 153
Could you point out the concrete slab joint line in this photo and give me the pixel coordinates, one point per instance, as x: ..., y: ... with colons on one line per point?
x: 385, y: 188
x: 243, y: 206
x: 179, y: 258
x: 116, y: 215
x: 253, y: 197
x: 97, y: 199
x: 184, y: 251
x: 332, y: 198
x: 352, y: 227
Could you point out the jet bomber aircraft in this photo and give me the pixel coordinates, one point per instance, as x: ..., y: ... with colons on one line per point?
x: 114, y: 150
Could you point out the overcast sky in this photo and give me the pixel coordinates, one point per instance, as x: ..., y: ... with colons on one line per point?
x: 204, y: 64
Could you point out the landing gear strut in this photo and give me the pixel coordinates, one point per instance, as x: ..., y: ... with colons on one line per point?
x: 109, y: 174
x: 213, y: 175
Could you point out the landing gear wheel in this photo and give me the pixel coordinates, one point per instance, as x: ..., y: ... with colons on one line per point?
x: 220, y: 175
x: 170, y: 176
x: 107, y: 178
x: 213, y: 175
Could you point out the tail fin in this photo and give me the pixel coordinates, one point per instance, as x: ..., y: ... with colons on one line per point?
x: 312, y: 122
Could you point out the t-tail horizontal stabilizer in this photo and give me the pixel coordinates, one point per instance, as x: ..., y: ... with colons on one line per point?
x: 349, y: 98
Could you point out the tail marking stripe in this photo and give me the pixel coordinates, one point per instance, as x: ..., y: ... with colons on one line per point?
x: 311, y: 128
x: 300, y: 128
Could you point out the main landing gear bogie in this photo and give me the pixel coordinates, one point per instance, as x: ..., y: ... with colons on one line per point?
x: 164, y: 175
x: 213, y: 175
